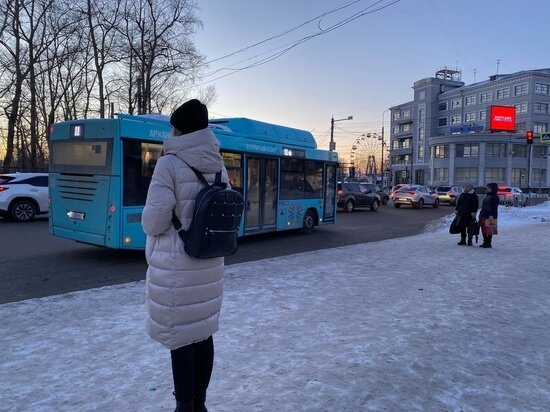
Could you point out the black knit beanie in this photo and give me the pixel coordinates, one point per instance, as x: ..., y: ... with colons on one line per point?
x: 190, y: 117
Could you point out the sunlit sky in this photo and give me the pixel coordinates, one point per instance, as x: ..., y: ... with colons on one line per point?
x: 366, y: 66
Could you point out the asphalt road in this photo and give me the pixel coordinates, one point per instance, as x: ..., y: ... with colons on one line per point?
x: 35, y: 264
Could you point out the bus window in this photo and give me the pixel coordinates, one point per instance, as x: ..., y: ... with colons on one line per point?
x: 233, y: 164
x: 314, y: 180
x: 81, y: 156
x: 139, y: 163
x: 292, y: 179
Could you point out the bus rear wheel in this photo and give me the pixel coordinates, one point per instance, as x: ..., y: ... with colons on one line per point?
x: 309, y: 222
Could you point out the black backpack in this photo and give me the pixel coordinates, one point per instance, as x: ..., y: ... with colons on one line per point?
x: 214, y: 229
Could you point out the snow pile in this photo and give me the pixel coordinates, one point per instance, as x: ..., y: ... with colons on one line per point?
x: 407, y: 324
x: 508, y: 217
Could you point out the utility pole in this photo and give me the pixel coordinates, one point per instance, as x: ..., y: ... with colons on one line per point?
x: 332, y: 146
x: 383, y: 172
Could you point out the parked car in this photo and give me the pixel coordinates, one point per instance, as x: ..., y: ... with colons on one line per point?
x: 354, y: 195
x: 512, y: 196
x: 384, y: 195
x: 395, y: 189
x: 23, y: 195
x: 416, y: 196
x: 449, y: 194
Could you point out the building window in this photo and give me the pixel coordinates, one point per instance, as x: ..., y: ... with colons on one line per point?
x: 396, y: 116
x: 541, y: 88
x: 495, y: 149
x: 495, y: 174
x: 405, y: 127
x: 421, y: 133
x: 541, y: 108
x: 519, y: 176
x: 539, y: 151
x: 395, y: 129
x: 401, y: 160
x: 406, y: 113
x: 503, y: 93
x: 404, y: 144
x: 521, y: 127
x: 441, y: 174
x: 485, y: 97
x: 422, y: 95
x: 421, y: 115
x: 482, y: 115
x: 467, y: 150
x: 442, y: 106
x: 538, y: 177
x: 442, y: 121
x: 456, y: 119
x: 520, y: 89
x: 521, y: 108
x: 421, y: 153
x: 470, y: 117
x: 466, y: 174
x: 540, y: 127
x: 519, y: 150
x: 470, y: 100
x: 441, y: 151
x: 456, y: 103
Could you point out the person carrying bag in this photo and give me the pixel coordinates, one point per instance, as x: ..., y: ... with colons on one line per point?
x: 466, y: 210
x: 184, y: 294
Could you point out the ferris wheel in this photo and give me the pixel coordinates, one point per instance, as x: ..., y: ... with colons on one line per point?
x: 366, y: 154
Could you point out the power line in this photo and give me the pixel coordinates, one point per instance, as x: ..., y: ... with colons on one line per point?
x: 280, y: 53
x: 283, y: 33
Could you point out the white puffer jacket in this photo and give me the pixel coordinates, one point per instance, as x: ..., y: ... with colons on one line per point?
x: 184, y: 294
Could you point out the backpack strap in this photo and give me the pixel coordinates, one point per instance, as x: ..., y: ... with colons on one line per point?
x: 177, y: 225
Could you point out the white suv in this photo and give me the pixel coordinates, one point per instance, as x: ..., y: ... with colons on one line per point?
x: 23, y: 195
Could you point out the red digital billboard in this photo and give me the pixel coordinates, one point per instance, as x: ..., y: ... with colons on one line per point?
x: 503, y: 119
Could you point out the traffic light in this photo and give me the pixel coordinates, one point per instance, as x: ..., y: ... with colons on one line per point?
x: 529, y: 136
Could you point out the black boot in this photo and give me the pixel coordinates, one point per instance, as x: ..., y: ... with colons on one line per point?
x: 198, y: 403
x: 184, y: 407
x: 470, y: 242
x: 462, y: 242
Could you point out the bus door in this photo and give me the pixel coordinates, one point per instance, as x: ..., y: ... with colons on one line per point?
x: 330, y: 193
x: 261, y: 194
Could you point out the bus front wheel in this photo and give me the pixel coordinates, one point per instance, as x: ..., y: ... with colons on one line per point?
x: 309, y: 222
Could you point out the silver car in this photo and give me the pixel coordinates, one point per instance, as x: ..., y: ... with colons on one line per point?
x: 415, y: 196
x: 449, y: 194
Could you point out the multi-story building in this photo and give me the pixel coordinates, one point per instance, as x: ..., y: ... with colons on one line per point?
x: 443, y: 136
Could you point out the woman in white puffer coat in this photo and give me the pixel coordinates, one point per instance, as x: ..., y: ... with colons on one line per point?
x: 184, y: 294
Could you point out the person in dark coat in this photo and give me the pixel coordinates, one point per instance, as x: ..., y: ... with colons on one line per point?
x: 489, y: 214
x: 466, y: 210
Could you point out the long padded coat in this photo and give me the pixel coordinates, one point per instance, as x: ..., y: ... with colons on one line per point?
x: 184, y: 294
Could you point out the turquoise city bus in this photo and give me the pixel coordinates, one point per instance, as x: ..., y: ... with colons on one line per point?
x: 100, y: 171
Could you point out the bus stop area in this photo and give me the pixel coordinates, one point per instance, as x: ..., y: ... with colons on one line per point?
x: 405, y: 324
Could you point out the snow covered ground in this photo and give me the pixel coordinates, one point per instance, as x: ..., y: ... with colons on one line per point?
x: 407, y: 324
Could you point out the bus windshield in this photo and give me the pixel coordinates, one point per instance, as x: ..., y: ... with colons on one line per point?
x: 81, y: 156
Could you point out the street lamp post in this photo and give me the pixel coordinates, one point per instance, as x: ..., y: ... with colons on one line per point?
x: 332, y: 146
x: 383, y: 144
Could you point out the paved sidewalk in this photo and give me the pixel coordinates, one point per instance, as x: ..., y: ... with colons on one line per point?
x: 401, y: 325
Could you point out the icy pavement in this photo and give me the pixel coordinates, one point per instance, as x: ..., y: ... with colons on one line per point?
x: 411, y: 324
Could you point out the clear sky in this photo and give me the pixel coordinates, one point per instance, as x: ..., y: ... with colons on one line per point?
x: 366, y: 66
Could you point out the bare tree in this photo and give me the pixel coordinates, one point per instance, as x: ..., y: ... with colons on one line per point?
x: 159, y: 46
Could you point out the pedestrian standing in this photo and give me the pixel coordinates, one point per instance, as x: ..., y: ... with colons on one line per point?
x: 184, y: 294
x: 466, y: 210
x: 489, y: 214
